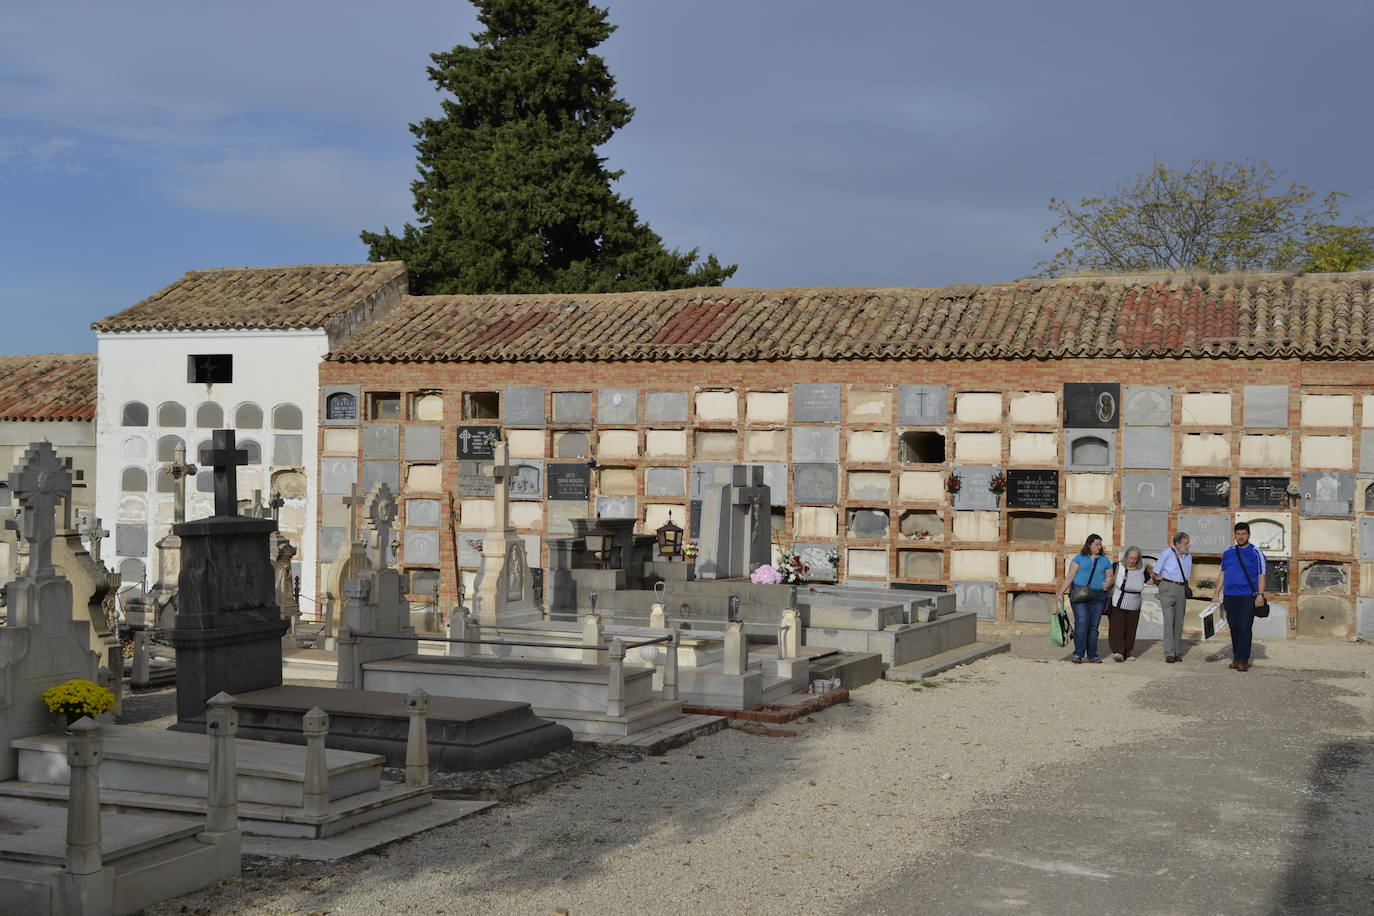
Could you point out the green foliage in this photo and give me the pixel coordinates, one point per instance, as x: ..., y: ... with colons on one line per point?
x: 1212, y: 216
x: 512, y: 196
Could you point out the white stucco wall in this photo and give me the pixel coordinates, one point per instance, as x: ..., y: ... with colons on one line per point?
x: 271, y: 368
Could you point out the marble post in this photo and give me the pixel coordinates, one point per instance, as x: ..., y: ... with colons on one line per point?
x: 349, y: 672
x: 315, y: 724
x: 140, y: 675
x: 789, y: 634
x: 736, y: 648
x: 615, y: 684
x: 83, y: 798
x: 670, y: 675
x: 463, y: 625
x: 657, y: 615
x: 221, y: 797
x: 417, y: 742
x: 591, y: 636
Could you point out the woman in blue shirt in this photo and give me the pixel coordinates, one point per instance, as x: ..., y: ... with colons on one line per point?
x: 1091, y: 569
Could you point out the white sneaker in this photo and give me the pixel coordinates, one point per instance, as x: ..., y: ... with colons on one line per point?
x: 1130, y: 658
x: 1118, y: 657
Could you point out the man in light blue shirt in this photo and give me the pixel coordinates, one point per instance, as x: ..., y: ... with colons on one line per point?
x: 1171, y: 573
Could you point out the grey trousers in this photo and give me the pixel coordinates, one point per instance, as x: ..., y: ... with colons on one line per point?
x: 1173, y: 604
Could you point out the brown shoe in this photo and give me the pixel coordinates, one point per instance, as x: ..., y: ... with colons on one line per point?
x: 1234, y: 665
x: 1242, y: 666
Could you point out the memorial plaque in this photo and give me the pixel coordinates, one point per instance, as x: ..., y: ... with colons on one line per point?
x: 421, y: 547
x: 470, y: 548
x: 376, y: 473
x: 422, y: 513
x: 665, y: 407
x: 817, y: 556
x: 1263, y: 492
x: 868, y: 523
x: 1266, y: 406
x: 775, y: 479
x: 976, y: 596
x: 815, y: 443
x: 569, y: 481
x: 1367, y: 541
x: 1147, y: 530
x: 665, y: 482
x: 476, y: 442
x: 572, y: 445
x: 1146, y: 491
x: 706, y: 474
x: 816, y: 483
x: 561, y: 513
x: 1328, y: 493
x: 131, y: 539
x: 473, y: 480
x: 1032, y: 607
x: 523, y: 406
x: 1032, y: 489
x: 816, y: 403
x: 1147, y: 447
x: 617, y: 406
x: 1364, y: 618
x: 423, y: 443
x: 1148, y: 405
x: 1211, y: 534
x: 1367, y: 449
x: 526, y: 479
x: 616, y: 507
x: 331, y: 539
x: 1202, y: 492
x: 288, y: 450
x: 1092, y: 405
x: 973, y: 491
x: 381, y: 440
x: 1089, y: 449
x: 341, y: 406
x: 922, y: 405
x: 572, y: 406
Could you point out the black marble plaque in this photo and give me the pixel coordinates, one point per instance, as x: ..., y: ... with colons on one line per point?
x: 1201, y: 492
x: 569, y: 481
x: 1263, y: 492
x: 1033, y: 489
x: 477, y: 441
x: 1089, y: 405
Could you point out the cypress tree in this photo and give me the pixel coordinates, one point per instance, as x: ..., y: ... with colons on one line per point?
x: 512, y: 196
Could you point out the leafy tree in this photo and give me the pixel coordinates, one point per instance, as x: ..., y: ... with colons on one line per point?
x: 1210, y: 217
x: 512, y: 196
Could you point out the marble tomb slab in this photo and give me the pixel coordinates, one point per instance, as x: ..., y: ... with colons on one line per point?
x: 1146, y: 491
x: 973, y: 490
x: 816, y: 483
x: 665, y: 407
x: 980, y: 597
x: 1266, y: 406
x: 1147, y: 530
x: 922, y: 405
x: 381, y: 440
x: 523, y: 406
x: 1148, y: 405
x: 1092, y: 405
x: 815, y: 443
x: 617, y: 406
x: 423, y: 443
x: 1327, y: 493
x: 815, y: 404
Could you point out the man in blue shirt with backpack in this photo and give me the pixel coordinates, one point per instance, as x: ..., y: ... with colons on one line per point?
x: 1242, y: 593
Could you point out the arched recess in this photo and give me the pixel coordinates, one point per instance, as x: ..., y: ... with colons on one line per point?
x: 133, y: 480
x: 171, y: 414
x: 135, y: 413
x: 248, y: 416
x: 166, y: 447
x: 209, y: 416
x: 253, y: 449
x: 286, y: 416
x: 130, y: 571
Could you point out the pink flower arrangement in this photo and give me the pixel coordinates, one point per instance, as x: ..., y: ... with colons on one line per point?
x: 765, y: 575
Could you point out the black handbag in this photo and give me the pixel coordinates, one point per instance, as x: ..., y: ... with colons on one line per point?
x: 1261, y: 609
x: 1081, y: 594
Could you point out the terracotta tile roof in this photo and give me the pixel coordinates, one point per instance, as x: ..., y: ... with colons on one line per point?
x: 1274, y: 315
x: 256, y: 297
x: 53, y: 386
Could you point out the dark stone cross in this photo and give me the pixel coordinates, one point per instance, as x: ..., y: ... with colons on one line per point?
x: 274, y: 506
x: 226, y: 460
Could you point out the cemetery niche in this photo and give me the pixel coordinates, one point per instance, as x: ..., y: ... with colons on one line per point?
x: 1146, y: 447
x: 1091, y: 405
x: 1146, y: 491
x: 973, y: 487
x: 1327, y: 493
x: 476, y: 442
x: 922, y: 405
x: 1263, y: 492
x: 569, y: 481
x: 1206, y: 492
x: 1210, y: 534
x: 1028, y: 489
x: 1089, y: 449
x: 818, y: 403
x: 1148, y: 405
x: 524, y: 406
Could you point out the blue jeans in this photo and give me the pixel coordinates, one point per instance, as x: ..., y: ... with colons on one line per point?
x: 1240, y: 620
x: 1086, y: 617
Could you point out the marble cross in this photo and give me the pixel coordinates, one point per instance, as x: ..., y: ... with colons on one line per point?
x: 274, y: 506
x: 226, y: 460
x: 95, y: 534
x: 381, y: 513
x: 40, y: 482
x: 353, y: 500
x: 179, y: 470
x: 499, y: 471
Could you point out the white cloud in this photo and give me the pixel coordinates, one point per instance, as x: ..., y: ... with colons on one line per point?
x: 54, y: 154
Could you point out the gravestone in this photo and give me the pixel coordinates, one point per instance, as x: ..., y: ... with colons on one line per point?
x: 1146, y: 491
x: 572, y: 445
x: 1148, y: 405
x: 469, y: 549
x: 1328, y: 493
x: 1364, y: 618
x: 1147, y: 447
x: 424, y: 443
x: 922, y: 405
x: 815, y: 443
x: 523, y: 406
x: 1202, y: 492
x: 1092, y: 405
x: 381, y: 440
x: 616, y: 507
x: 617, y: 406
x: 475, y: 480
x: 228, y: 626
x: 503, y: 590
x: 1367, y: 449
x: 736, y: 529
x: 1090, y: 449
x: 1032, y: 607
x: 870, y: 486
x: 422, y: 513
x: 569, y: 481
x: 1367, y: 540
x: 1266, y: 406
x: 816, y: 483
x: 477, y: 442
x: 817, y: 556
x: 1147, y: 530
x: 526, y: 479
x: 868, y: 523
x: 1032, y: 489
x: 376, y: 473
x: 1211, y: 534
x: 421, y: 547
x: 1263, y: 492
x: 131, y: 539
x: 980, y: 597
x: 973, y: 490
x: 816, y: 404
x: 665, y: 407
x: 572, y: 407
x: 340, y: 405
x: 665, y: 482
x: 337, y: 475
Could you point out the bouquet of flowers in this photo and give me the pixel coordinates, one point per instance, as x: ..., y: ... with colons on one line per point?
x: 691, y: 549
x: 1224, y: 488
x: 77, y: 698
x: 998, y: 483
x: 952, y: 484
x: 765, y: 575
x: 791, y: 568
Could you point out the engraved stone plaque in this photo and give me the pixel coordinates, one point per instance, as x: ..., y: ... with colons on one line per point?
x: 1327, y: 493
x: 666, y: 406
x: 665, y: 482
x: 523, y: 406
x: 617, y: 406
x: 816, y: 403
x: 131, y: 539
x: 816, y: 483
x: 817, y: 556
x: 1092, y: 405
x: 977, y: 596
x: 616, y: 507
x: 1266, y: 406
x: 381, y: 472
x: 475, y: 442
x: 423, y: 443
x: 421, y: 547
x: 473, y: 480
x: 1147, y: 530
x: 973, y: 490
x: 1146, y: 447
x: 922, y: 405
x: 569, y: 481
x: 1148, y: 405
x: 470, y: 548
x: 1146, y: 491
x: 775, y: 479
x: 572, y: 406
x: 1032, y: 489
x: 337, y: 475
x: 526, y: 479
x: 422, y: 513
x: 381, y: 440
x: 1211, y: 534
x: 815, y: 443
x: 1202, y: 492
x: 1263, y: 492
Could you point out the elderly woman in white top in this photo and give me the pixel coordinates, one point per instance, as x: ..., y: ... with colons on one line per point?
x: 1123, y: 610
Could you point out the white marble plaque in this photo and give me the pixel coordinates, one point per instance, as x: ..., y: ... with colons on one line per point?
x: 816, y: 403
x: 816, y: 483
x: 421, y: 547
x: 980, y: 597
x: 922, y: 405
x: 1148, y: 405
x: 1211, y: 533
x: 815, y: 443
x: 1266, y: 406
x: 617, y: 406
x: 1147, y: 530
x: 523, y: 406
x: 616, y: 507
x: 381, y: 440
x: 973, y: 490
x: 1146, y: 447
x: 1327, y: 493
x: 1146, y: 491
x: 337, y: 475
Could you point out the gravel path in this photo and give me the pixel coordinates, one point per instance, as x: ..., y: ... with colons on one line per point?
x: 737, y: 823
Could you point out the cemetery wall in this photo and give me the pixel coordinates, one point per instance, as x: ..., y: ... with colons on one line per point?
x: 859, y: 453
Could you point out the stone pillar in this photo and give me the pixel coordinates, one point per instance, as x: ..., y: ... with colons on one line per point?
x: 591, y: 636
x: 83, y: 798
x: 221, y: 796
x: 657, y: 616
x: 347, y: 671
x: 417, y: 743
x: 315, y: 724
x: 670, y: 677
x: 736, y: 648
x: 140, y: 675
x: 615, y: 682
x: 463, y: 625
x: 789, y: 634
x: 114, y: 659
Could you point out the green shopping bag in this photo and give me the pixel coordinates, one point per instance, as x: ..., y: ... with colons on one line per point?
x: 1061, y: 630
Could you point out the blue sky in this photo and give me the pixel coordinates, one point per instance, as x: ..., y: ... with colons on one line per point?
x: 876, y: 142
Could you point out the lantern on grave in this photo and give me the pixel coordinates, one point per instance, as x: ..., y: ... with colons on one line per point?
x: 599, y: 541
x: 669, y: 539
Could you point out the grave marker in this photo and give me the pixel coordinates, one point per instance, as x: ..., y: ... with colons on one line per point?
x: 922, y: 405
x: 523, y: 406
x: 1147, y: 447
x: 1146, y: 491
x: 1148, y: 405
x: 1328, y: 493
x: 1092, y: 405
x: 818, y: 403
x: 973, y: 490
x: 1202, y: 492
x: 477, y: 442
x: 1032, y: 489
x: 1263, y: 492
x: 569, y: 481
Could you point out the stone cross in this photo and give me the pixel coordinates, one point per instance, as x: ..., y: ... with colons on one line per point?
x: 77, y: 476
x: 258, y: 510
x: 179, y: 470
x: 499, y: 471
x: 226, y: 460
x: 353, y: 500
x: 95, y: 534
x: 274, y: 506
x: 381, y: 513
x: 40, y: 483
